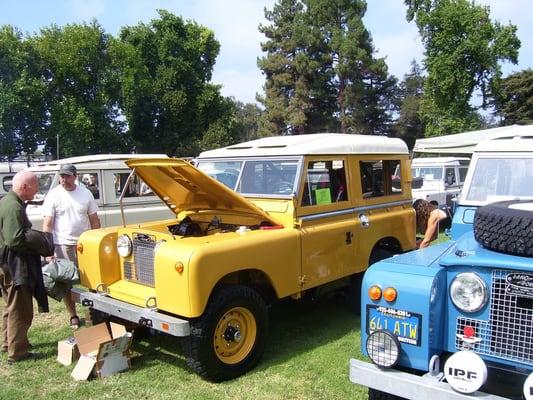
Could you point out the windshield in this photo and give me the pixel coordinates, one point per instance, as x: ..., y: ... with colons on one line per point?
x: 257, y: 177
x: 428, y: 173
x: 497, y: 179
x: 45, y: 182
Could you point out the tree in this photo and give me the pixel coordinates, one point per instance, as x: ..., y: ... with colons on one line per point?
x: 165, y: 68
x: 463, y: 49
x: 320, y: 70
x: 409, y: 125
x: 247, y: 116
x: 514, y: 99
x: 81, y: 90
x: 22, y: 96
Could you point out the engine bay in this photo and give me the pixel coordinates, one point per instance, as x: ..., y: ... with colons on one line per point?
x: 187, y: 227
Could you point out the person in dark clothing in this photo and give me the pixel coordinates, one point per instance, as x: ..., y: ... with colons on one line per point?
x: 20, y: 266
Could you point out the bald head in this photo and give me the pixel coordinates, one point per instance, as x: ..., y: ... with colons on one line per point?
x: 25, y: 184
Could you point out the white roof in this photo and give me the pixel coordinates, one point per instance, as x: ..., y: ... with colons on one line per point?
x: 98, y: 161
x: 318, y: 143
x: 439, y: 161
x: 464, y: 143
x: 518, y: 143
x: 12, y: 166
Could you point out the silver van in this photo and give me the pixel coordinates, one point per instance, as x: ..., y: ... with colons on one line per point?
x: 105, y: 175
x: 8, y: 169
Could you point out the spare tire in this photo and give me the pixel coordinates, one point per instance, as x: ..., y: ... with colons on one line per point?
x: 506, y: 226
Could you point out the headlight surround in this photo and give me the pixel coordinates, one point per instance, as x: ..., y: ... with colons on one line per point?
x: 124, y: 245
x: 383, y: 348
x: 468, y: 292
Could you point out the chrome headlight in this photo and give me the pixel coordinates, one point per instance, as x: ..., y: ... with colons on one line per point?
x: 124, y: 245
x: 383, y: 348
x: 468, y: 292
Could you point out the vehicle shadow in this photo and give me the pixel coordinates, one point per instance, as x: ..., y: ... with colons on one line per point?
x: 295, y: 328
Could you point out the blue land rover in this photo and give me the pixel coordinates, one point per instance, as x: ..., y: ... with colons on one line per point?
x: 455, y: 320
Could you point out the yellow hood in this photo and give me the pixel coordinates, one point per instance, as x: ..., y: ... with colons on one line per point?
x: 182, y: 187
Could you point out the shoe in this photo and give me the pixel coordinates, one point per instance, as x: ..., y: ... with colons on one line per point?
x: 27, y: 356
x: 74, y: 322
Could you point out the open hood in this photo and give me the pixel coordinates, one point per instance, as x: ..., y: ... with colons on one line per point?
x: 182, y: 187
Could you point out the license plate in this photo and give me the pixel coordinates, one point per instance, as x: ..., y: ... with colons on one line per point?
x: 403, y: 324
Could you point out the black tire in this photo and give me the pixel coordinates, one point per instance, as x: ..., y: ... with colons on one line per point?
x: 374, y: 394
x: 503, y: 228
x: 241, y: 315
x: 379, y: 253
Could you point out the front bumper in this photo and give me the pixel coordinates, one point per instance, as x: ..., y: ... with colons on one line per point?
x: 407, y: 385
x: 143, y: 316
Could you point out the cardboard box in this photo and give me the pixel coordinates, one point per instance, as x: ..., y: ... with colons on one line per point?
x: 67, y: 351
x: 103, y: 351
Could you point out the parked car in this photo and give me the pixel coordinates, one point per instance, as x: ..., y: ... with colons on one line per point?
x: 109, y: 174
x: 456, y: 318
x: 442, y: 178
x: 255, y: 222
x: 8, y: 169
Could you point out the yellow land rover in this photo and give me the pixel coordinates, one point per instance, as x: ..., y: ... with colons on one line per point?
x: 254, y: 222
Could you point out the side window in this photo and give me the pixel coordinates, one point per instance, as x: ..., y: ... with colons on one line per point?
x: 7, y: 183
x: 325, y: 183
x: 91, y: 181
x: 136, y: 188
x: 462, y: 173
x: 380, y: 178
x: 449, y: 177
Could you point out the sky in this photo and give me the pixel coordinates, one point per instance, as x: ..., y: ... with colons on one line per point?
x: 235, y: 23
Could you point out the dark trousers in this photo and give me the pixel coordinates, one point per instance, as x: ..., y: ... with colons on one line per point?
x: 17, y: 317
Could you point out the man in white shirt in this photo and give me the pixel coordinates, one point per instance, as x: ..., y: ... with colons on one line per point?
x: 69, y: 210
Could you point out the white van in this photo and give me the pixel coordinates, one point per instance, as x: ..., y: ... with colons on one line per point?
x: 443, y: 178
x: 108, y: 174
x: 7, y: 170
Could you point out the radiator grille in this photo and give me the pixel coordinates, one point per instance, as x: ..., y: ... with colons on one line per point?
x: 509, y: 332
x: 141, y: 270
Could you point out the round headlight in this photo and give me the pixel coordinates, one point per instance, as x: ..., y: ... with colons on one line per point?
x: 383, y: 348
x: 124, y: 245
x: 468, y: 292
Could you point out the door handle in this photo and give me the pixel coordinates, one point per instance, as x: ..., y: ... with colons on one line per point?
x: 349, y: 236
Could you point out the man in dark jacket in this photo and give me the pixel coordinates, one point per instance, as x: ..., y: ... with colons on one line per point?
x: 18, y: 266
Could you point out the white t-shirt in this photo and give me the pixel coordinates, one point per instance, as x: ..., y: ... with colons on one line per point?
x: 70, y: 210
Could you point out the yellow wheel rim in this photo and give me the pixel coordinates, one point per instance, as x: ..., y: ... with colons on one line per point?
x: 235, y: 335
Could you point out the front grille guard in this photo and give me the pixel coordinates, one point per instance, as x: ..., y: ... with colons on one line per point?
x: 508, y: 334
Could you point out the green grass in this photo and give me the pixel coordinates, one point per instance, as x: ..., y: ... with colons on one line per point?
x: 307, y: 357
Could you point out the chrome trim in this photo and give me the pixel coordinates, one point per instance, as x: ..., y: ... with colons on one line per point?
x: 408, y: 386
x: 327, y: 214
x: 161, y: 322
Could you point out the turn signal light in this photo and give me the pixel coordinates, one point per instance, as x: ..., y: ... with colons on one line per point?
x: 179, y: 267
x: 374, y: 293
x: 390, y: 294
x: 79, y: 247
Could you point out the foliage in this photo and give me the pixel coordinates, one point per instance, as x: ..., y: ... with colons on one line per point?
x: 409, y: 125
x: 147, y: 91
x: 81, y: 90
x: 164, y: 68
x: 247, y: 117
x: 22, y: 95
x: 514, y: 99
x: 463, y: 48
x: 320, y: 70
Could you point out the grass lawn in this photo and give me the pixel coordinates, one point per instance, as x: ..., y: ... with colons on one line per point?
x: 306, y: 357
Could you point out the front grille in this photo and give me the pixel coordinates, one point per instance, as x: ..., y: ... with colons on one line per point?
x: 141, y: 270
x: 509, y: 332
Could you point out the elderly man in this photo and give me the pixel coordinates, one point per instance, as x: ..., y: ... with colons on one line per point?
x: 18, y: 264
x: 69, y: 210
